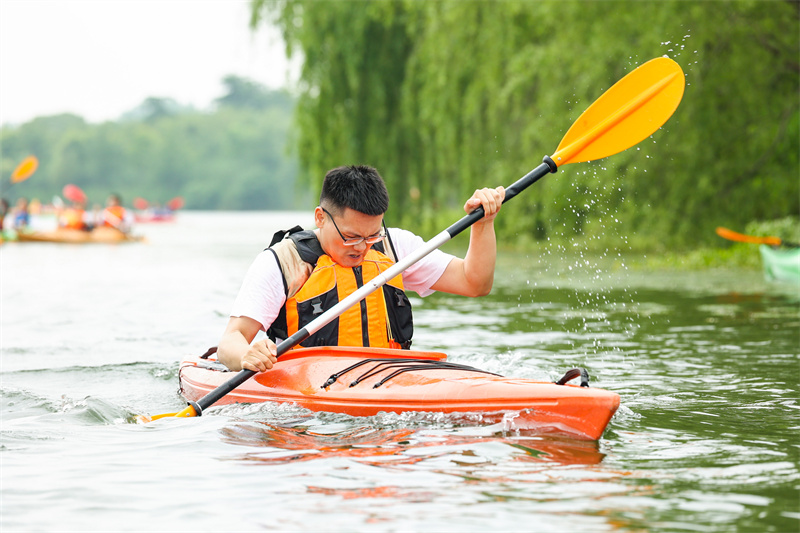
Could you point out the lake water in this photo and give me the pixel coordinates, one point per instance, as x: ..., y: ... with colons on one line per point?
x: 706, y: 363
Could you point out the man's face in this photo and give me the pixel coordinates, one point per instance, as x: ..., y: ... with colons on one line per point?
x: 351, y: 224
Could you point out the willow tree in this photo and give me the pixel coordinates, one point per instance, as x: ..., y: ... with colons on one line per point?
x: 353, y: 76
x: 444, y: 97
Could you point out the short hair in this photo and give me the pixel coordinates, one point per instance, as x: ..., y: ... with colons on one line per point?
x: 358, y: 187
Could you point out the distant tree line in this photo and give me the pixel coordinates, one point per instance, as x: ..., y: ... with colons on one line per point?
x: 236, y: 156
x: 445, y: 97
x: 448, y: 96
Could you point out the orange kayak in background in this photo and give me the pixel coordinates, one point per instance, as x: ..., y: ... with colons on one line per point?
x: 367, y: 381
x: 102, y: 235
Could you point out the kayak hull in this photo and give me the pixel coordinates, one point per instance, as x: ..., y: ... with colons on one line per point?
x: 299, y: 378
x: 100, y: 235
x: 780, y: 264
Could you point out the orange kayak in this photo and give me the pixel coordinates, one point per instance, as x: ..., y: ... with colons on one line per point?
x: 367, y: 381
x: 103, y: 235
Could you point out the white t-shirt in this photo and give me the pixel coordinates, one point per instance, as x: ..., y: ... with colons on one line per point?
x: 262, y: 296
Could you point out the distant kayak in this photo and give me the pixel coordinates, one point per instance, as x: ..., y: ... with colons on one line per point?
x: 73, y: 236
x: 367, y: 381
x: 147, y: 218
x: 781, y: 264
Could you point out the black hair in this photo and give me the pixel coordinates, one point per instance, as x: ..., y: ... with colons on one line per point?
x: 357, y: 187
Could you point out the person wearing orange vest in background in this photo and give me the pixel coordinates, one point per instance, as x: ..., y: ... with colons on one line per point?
x: 114, y: 215
x: 74, y: 217
x: 304, y: 273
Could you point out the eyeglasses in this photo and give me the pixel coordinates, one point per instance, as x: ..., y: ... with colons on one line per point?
x: 355, y: 241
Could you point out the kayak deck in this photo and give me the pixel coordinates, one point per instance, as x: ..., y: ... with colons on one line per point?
x: 367, y: 381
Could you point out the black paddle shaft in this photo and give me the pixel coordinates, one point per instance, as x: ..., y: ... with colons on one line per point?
x: 548, y: 166
x: 217, y: 394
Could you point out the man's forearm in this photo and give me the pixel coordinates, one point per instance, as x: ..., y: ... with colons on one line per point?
x: 479, y: 263
x: 232, y: 346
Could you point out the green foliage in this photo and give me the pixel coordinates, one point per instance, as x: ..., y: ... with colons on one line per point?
x: 155, y: 108
x: 448, y: 96
x: 246, y: 94
x: 786, y: 228
x: 236, y: 157
x: 726, y: 254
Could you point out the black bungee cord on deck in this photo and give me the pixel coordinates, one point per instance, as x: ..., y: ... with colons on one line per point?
x: 410, y: 365
x: 402, y: 365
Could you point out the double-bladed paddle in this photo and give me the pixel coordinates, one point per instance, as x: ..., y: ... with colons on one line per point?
x: 627, y: 113
x: 25, y: 169
x: 731, y: 235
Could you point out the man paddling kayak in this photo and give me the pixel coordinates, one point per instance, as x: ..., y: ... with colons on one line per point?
x: 304, y: 273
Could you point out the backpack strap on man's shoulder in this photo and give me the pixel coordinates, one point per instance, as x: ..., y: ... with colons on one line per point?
x: 305, y: 241
x: 389, y: 251
x: 308, y: 246
x: 280, y: 235
x: 278, y: 238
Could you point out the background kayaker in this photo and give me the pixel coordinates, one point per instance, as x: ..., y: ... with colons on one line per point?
x: 21, y: 215
x: 114, y: 215
x: 349, y: 223
x: 75, y: 217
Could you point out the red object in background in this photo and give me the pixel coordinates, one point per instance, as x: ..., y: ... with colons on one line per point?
x: 140, y: 203
x: 176, y: 203
x: 73, y: 193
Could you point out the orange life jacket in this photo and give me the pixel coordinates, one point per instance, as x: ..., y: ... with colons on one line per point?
x: 381, y: 320
x: 113, y: 216
x: 72, y: 218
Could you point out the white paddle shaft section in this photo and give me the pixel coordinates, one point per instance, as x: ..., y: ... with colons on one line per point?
x: 376, y: 283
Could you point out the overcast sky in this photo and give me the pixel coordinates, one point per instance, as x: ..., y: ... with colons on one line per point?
x: 101, y: 58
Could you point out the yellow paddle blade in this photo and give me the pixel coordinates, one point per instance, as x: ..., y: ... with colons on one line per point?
x: 186, y: 413
x: 25, y: 169
x: 627, y: 113
x: 731, y: 235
